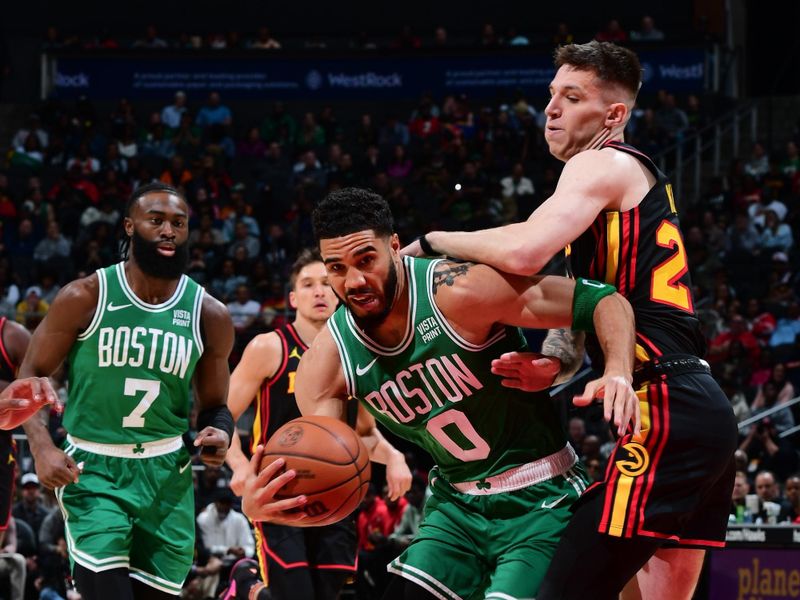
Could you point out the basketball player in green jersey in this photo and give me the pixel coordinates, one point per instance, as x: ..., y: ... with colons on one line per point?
x: 136, y: 335
x: 311, y: 562
x: 414, y: 342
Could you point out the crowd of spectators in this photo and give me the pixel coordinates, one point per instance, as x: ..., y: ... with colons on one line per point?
x: 449, y: 163
x: 489, y: 36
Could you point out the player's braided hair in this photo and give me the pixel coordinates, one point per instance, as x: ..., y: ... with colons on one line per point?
x: 141, y: 191
x: 348, y: 210
x: 611, y: 63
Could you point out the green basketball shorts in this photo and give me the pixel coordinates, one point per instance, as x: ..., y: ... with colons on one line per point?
x: 489, y: 545
x: 129, y: 512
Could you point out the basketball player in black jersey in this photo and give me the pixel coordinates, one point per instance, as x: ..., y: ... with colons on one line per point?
x: 311, y: 562
x: 14, y: 339
x: 666, y: 492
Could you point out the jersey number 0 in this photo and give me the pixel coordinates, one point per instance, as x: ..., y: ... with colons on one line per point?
x: 435, y: 426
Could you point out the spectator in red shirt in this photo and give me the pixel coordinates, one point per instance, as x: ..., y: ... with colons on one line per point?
x: 395, y: 508
x: 373, y: 520
x: 373, y: 524
x: 762, y: 322
x: 719, y: 347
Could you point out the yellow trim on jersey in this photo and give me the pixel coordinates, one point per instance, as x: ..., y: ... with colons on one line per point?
x: 619, y: 512
x: 641, y: 353
x: 260, y: 555
x: 257, y: 422
x: 622, y: 491
x: 671, y: 197
x: 612, y: 246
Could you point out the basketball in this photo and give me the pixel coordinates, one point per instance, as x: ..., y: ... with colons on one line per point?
x: 332, y: 465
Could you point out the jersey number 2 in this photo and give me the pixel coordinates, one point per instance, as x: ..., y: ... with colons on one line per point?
x: 133, y: 386
x: 664, y: 285
x: 480, y: 449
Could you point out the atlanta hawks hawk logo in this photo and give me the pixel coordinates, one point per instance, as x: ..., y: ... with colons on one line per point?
x: 638, y: 460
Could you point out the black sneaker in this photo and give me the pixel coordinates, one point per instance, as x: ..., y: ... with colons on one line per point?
x: 244, y: 574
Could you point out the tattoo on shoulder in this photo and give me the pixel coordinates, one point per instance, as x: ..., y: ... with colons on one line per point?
x: 446, y: 273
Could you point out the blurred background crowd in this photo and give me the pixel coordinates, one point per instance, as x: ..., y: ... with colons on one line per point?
x: 252, y: 173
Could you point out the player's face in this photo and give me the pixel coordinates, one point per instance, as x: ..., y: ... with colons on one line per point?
x: 576, y: 113
x: 158, y: 227
x: 362, y: 270
x: 312, y: 296
x: 793, y: 490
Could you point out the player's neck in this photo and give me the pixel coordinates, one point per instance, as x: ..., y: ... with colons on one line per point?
x: 148, y: 289
x: 307, y: 328
x: 604, y: 136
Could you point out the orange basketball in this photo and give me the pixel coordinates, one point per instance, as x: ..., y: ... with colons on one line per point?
x: 331, y: 462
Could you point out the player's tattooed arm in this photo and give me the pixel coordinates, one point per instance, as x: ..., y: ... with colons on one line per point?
x: 446, y: 273
x: 568, y: 347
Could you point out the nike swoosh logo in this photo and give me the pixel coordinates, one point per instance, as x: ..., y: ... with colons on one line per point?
x: 554, y: 502
x: 112, y: 308
x: 184, y: 467
x: 362, y: 371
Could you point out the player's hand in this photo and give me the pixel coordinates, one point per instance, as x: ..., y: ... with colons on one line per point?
x: 260, y: 489
x: 398, y: 476
x: 213, y: 444
x: 527, y: 371
x: 23, y: 398
x: 619, y: 401
x: 54, y: 468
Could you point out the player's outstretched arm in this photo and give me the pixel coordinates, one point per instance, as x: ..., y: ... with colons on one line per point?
x: 211, y: 377
x: 260, y: 360
x: 591, y: 182
x: 614, y: 325
x: 70, y: 313
x: 475, y: 298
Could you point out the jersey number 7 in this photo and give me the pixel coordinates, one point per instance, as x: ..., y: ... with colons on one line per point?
x: 151, y: 389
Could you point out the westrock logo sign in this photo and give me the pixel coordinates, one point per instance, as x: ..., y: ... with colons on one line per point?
x: 316, y: 80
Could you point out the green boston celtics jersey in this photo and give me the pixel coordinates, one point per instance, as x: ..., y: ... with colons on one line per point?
x: 130, y: 370
x: 436, y: 389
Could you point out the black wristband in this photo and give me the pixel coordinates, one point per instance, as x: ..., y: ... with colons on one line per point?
x: 219, y: 417
x: 426, y: 246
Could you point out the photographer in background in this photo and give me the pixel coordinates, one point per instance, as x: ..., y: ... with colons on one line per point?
x: 766, y: 450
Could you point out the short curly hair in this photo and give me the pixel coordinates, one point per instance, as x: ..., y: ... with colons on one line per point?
x: 349, y: 210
